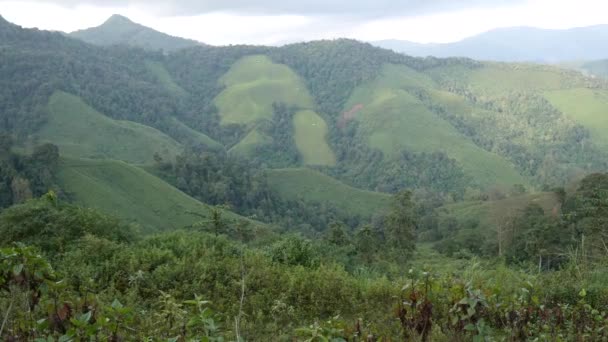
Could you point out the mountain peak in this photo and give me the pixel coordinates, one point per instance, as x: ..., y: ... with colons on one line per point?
x: 120, y: 30
x: 118, y: 19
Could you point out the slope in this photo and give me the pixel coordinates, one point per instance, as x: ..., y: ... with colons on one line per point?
x: 587, y: 107
x: 253, y: 84
x: 81, y: 131
x: 130, y: 193
x: 310, y: 133
x: 391, y: 119
x: 313, y: 186
x: 597, y: 68
x: 119, y: 30
x: 163, y: 76
x: 189, y: 136
x: 490, y: 213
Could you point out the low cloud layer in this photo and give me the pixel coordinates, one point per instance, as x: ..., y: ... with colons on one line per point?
x: 358, y: 8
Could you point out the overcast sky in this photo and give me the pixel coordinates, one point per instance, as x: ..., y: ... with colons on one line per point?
x: 278, y: 21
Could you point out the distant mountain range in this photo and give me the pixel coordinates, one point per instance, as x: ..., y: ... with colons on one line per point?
x: 119, y: 30
x: 517, y: 44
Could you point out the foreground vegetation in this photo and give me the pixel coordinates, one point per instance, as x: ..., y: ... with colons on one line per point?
x: 69, y: 273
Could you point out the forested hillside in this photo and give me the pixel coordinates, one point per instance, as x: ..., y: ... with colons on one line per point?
x: 457, y: 124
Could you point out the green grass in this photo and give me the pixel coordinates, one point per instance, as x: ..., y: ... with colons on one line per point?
x: 248, y: 145
x: 488, y: 213
x: 392, y: 120
x: 130, y: 193
x: 496, y: 79
x: 587, y: 107
x: 163, y: 76
x: 253, y: 84
x: 190, y: 136
x: 314, y: 186
x: 457, y: 104
x: 310, y: 137
x: 82, y: 132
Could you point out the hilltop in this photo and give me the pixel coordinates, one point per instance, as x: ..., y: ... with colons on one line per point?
x: 120, y: 30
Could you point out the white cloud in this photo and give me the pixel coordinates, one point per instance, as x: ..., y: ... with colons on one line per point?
x: 229, y: 27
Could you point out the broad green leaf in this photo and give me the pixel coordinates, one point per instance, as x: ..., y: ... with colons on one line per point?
x: 470, y: 327
x: 116, y: 304
x: 17, y: 269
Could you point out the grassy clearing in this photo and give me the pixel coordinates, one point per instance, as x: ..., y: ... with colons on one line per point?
x: 253, y: 84
x: 392, y: 120
x: 587, y: 107
x: 82, y: 132
x: 310, y: 136
x: 313, y: 186
x: 190, y: 136
x: 130, y: 193
x: 248, y: 145
x: 497, y: 79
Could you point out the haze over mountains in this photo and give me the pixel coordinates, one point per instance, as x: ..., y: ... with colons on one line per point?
x: 517, y: 44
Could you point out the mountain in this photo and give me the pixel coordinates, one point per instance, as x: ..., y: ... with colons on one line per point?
x: 121, y: 30
x: 368, y: 117
x: 517, y: 44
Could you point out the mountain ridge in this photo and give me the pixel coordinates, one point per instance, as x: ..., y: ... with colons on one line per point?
x: 516, y: 44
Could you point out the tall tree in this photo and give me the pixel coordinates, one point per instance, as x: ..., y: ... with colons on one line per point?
x: 401, y: 226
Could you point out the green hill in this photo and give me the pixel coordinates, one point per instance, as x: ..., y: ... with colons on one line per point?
x: 314, y: 186
x: 82, y: 132
x: 189, y: 136
x: 587, y: 107
x: 120, y: 30
x: 130, y: 193
x: 392, y: 119
x: 253, y: 84
x: 247, y: 146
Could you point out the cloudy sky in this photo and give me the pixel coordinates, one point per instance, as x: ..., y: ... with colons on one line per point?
x: 279, y: 21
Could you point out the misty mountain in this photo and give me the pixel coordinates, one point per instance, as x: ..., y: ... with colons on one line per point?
x: 119, y: 30
x: 517, y: 44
